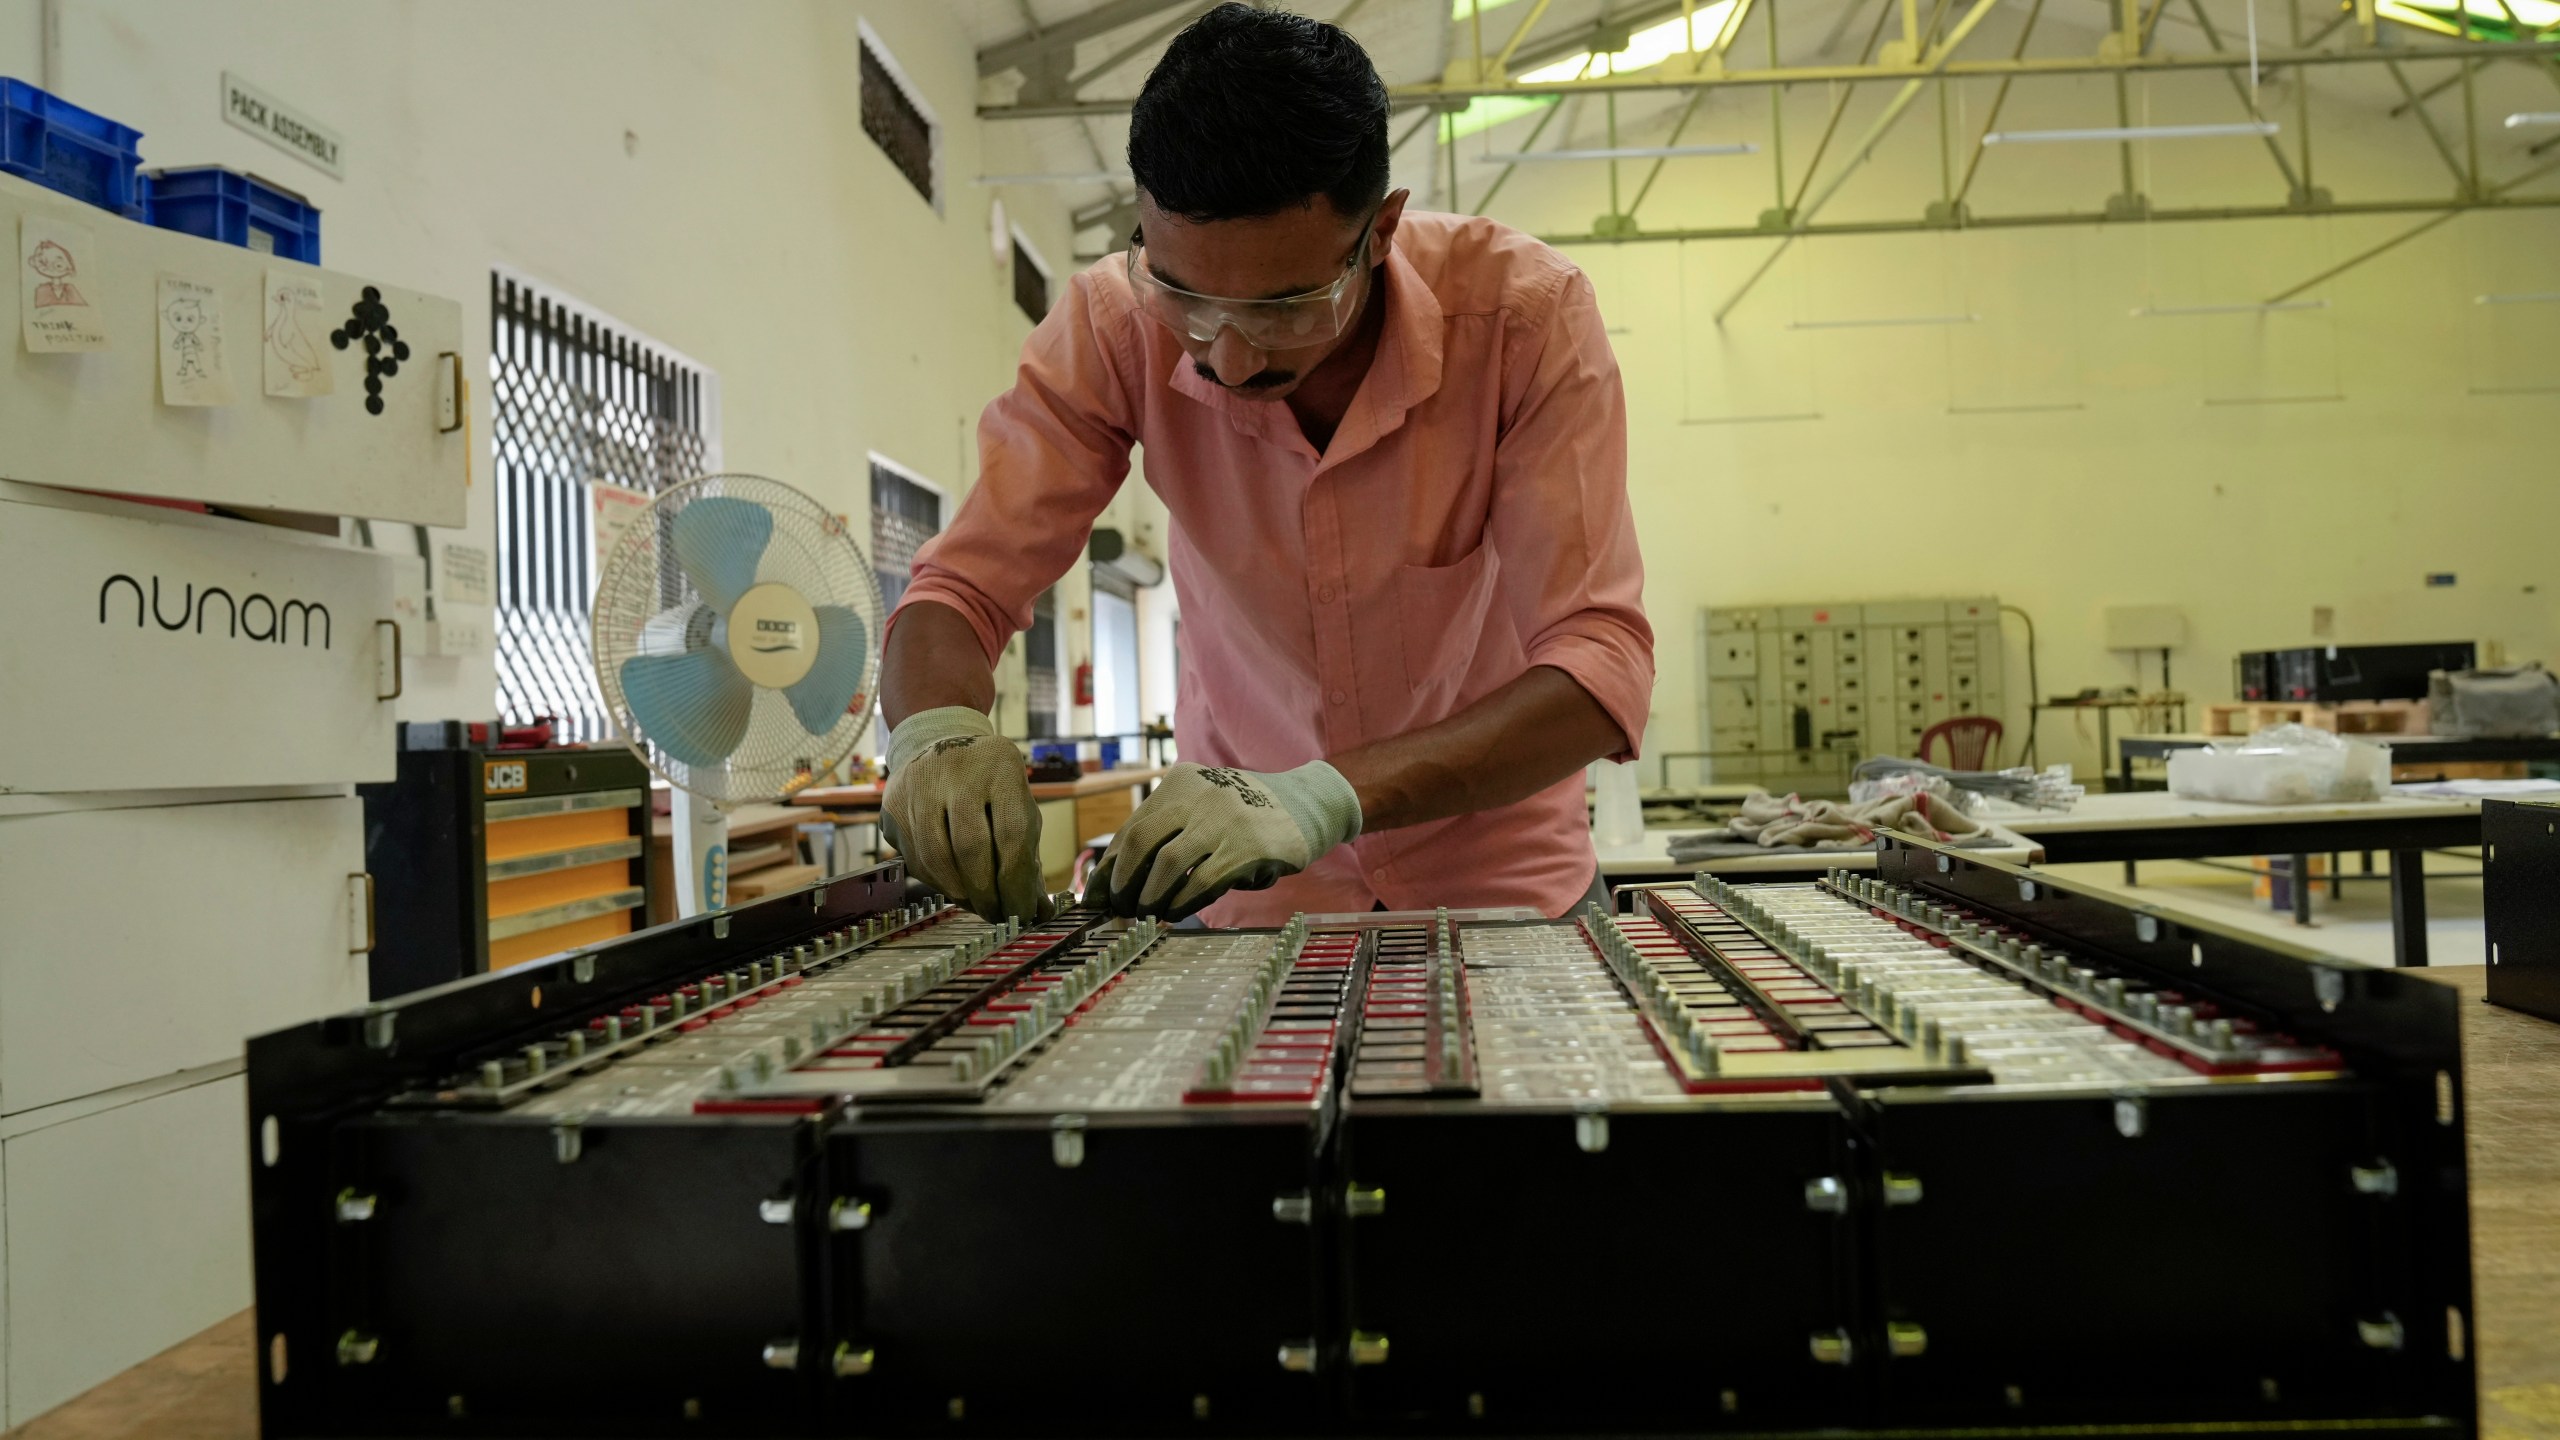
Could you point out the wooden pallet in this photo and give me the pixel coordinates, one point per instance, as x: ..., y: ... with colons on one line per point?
x: 2350, y: 717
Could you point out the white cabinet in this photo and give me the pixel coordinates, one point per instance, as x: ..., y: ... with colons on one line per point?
x: 94, y: 419
x: 126, y: 1232
x: 137, y: 943
x: 151, y: 649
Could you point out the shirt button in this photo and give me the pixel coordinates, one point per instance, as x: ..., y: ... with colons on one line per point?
x: 1339, y: 697
x: 1324, y: 594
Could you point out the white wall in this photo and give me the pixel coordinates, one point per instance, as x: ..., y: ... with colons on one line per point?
x: 2059, y: 451
x: 697, y: 171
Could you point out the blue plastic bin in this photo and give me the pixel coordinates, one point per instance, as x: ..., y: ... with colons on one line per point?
x: 234, y: 208
x: 60, y: 146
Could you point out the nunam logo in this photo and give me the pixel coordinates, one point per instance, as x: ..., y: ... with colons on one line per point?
x: 775, y: 636
x: 248, y: 617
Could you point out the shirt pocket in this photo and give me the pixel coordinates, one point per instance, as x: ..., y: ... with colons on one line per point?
x: 1440, y: 618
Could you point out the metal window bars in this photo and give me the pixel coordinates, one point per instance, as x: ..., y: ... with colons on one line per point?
x: 575, y: 402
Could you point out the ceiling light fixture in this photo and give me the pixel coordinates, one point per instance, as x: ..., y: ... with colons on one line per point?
x: 2155, y: 312
x: 1885, y: 320
x: 2523, y: 118
x: 1075, y: 177
x: 1646, y: 48
x: 1626, y: 152
x: 2131, y: 132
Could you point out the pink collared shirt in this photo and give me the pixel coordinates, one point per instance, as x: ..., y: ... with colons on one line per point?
x: 1468, y: 520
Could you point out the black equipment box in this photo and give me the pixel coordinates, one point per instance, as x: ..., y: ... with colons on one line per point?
x: 484, y: 858
x: 1952, y: 1149
x: 2520, y: 893
x: 2326, y: 674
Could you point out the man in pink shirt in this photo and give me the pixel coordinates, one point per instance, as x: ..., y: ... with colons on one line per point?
x: 1393, y: 447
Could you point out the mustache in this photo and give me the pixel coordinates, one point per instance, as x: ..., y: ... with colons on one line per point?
x: 1268, y: 379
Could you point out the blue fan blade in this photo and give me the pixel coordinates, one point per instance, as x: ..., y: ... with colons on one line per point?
x: 719, y: 542
x: 827, y: 691
x: 692, y: 706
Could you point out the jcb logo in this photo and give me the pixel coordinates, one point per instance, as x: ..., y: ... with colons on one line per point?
x: 502, y: 777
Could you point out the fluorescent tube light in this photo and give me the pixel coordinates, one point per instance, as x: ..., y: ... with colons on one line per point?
x: 1073, y: 177
x: 2130, y: 132
x: 1885, y: 320
x: 2523, y: 118
x: 2153, y: 312
x: 1624, y: 152
x: 2528, y: 297
x: 1646, y: 48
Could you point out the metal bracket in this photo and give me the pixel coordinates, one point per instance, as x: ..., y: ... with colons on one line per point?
x: 849, y: 1362
x: 2382, y: 1334
x: 1299, y: 1356
x: 1825, y: 1195
x: 377, y: 1029
x: 776, y: 1210
x: 1906, y: 1339
x: 1830, y: 1347
x: 2132, y: 1116
x: 354, y: 1208
x: 1368, y: 1348
x: 1357, y: 1201
x: 2379, y: 1178
x: 1591, y: 1131
x: 1901, y: 1189
x: 1066, y: 1141
x: 357, y: 1348
x: 568, y: 1141
x: 1293, y: 1209
x: 782, y: 1354
x: 847, y: 1213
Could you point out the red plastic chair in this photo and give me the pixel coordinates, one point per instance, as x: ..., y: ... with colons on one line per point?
x: 1972, y: 742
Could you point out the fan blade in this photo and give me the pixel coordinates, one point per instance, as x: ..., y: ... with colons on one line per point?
x: 719, y: 542
x: 693, y: 706
x: 823, y: 695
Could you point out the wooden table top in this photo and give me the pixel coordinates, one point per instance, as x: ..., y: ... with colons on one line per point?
x: 206, y: 1388
x: 867, y: 797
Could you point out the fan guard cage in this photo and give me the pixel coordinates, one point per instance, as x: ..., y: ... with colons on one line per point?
x: 810, y: 550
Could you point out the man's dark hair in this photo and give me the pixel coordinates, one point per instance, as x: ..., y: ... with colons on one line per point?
x: 1252, y: 112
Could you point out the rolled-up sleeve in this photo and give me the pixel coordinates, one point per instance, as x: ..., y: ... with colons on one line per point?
x: 1571, y: 574
x: 1051, y: 453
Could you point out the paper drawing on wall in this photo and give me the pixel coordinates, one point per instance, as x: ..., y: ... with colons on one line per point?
x: 59, y: 288
x: 54, y: 265
x: 192, y: 371
x: 295, y: 364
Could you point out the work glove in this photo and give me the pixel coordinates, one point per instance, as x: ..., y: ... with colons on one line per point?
x: 958, y: 808
x: 1208, y: 830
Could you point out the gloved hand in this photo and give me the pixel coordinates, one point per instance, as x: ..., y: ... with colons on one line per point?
x: 1208, y: 830
x: 959, y: 809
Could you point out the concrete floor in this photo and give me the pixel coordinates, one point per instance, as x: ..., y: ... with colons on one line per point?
x: 2354, y: 927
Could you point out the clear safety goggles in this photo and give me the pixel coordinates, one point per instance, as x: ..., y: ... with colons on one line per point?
x: 1288, y: 323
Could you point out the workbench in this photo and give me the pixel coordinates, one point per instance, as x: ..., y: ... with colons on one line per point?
x: 2133, y: 826
x: 206, y: 1388
x: 1649, y: 859
x: 1071, y: 811
x: 2406, y: 751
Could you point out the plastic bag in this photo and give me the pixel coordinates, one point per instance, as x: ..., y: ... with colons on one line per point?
x: 2283, y: 765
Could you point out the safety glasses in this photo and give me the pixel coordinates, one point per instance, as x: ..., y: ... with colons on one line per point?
x: 1288, y: 323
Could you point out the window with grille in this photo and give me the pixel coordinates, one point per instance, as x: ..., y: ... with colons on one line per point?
x: 1041, y: 664
x: 576, y: 401
x: 905, y: 513
x: 1030, y: 281
x: 895, y: 118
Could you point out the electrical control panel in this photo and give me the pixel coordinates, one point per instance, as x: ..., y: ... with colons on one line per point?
x: 1796, y: 694
x: 1767, y: 1159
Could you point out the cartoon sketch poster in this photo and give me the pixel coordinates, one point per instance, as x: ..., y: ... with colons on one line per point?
x: 59, y: 287
x: 297, y: 363
x: 191, y: 361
